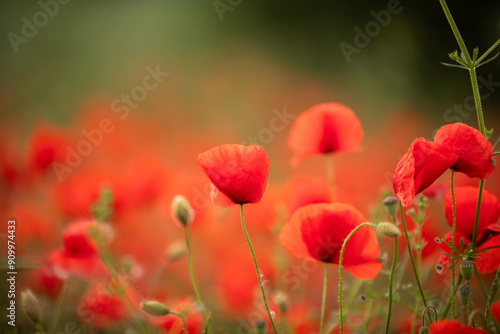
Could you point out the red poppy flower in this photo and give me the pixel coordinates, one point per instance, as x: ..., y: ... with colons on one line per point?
x: 46, y: 145
x: 79, y: 256
x: 474, y: 151
x: 495, y: 310
x: 316, y: 233
x: 488, y: 228
x: 450, y: 326
x: 239, y: 172
x: 324, y: 128
x: 422, y: 164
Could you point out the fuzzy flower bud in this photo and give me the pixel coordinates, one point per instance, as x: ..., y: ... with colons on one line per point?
x: 388, y: 229
x: 464, y: 293
x: 391, y: 205
x: 155, y: 308
x: 182, y: 211
x: 467, y: 269
x: 176, y: 251
x: 31, y: 306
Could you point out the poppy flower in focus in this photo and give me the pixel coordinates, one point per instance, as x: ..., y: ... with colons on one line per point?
x: 324, y: 128
x: 421, y: 165
x: 488, y: 228
x: 316, y: 233
x: 79, y: 255
x: 239, y: 172
x: 474, y: 151
x: 450, y: 326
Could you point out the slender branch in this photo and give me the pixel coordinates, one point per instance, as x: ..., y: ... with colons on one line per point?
x: 323, y: 299
x: 183, y: 321
x: 446, y: 308
x: 391, y: 280
x: 454, y: 28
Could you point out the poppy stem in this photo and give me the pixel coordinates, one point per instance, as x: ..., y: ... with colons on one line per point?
x: 257, y: 269
x: 61, y: 303
x: 187, y: 231
x: 410, y: 253
x: 183, y: 320
x: 454, y: 227
x: 323, y: 299
x: 491, y: 296
x: 478, y: 209
x: 341, y: 316
x: 446, y: 308
x: 391, y: 279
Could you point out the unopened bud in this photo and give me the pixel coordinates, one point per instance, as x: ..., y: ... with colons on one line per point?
x: 391, y: 205
x: 155, y: 308
x: 467, y: 269
x: 464, y: 293
x: 280, y: 299
x: 388, y: 229
x: 260, y: 327
x: 176, y: 251
x: 31, y: 306
x: 182, y: 211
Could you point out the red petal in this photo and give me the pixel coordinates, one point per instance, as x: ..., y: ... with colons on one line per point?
x: 450, y: 326
x: 495, y: 310
x: 422, y: 164
x: 239, y: 172
x: 473, y: 149
x: 489, y: 262
x: 317, y: 232
x: 465, y: 210
x: 324, y: 128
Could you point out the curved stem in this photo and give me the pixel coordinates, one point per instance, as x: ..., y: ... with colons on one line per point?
x: 410, y: 253
x: 340, y: 272
x: 187, y: 232
x: 183, y: 321
x: 323, y: 299
x: 257, y: 269
x: 391, y: 281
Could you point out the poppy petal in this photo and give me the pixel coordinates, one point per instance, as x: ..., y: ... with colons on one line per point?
x: 324, y: 128
x: 450, y: 326
x: 422, y: 164
x: 239, y: 172
x: 474, y: 151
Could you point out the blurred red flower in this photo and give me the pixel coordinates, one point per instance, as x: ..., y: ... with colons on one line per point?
x: 79, y: 256
x: 488, y: 228
x: 422, y: 164
x: 474, y: 151
x: 450, y: 326
x: 495, y: 310
x: 324, y: 128
x: 45, y: 146
x: 239, y: 172
x: 316, y: 233
x: 302, y: 190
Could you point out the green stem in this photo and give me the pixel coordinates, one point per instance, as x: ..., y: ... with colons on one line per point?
x: 61, y: 304
x: 340, y: 272
x: 446, y: 308
x: 391, y: 280
x: 410, y: 253
x: 491, y: 296
x: 478, y: 209
x: 323, y: 299
x: 493, y: 47
x: 477, y: 100
x: 452, y: 248
x: 187, y: 231
x: 454, y: 28
x: 39, y: 328
x: 257, y: 269
x: 183, y: 320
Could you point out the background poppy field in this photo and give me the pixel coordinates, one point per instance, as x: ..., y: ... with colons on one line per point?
x: 125, y: 95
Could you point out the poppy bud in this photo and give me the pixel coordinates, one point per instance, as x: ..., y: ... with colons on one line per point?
x: 388, y: 229
x: 155, y: 308
x: 464, y: 293
x: 260, y: 327
x: 391, y: 205
x: 31, y: 306
x: 467, y: 269
x: 280, y: 299
x: 176, y: 251
x: 182, y: 211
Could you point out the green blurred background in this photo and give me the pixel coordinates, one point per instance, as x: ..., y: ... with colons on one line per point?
x: 100, y: 48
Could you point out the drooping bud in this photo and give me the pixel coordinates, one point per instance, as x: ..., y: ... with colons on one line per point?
x: 31, y: 306
x: 391, y: 205
x: 155, y: 308
x: 176, y: 251
x: 388, y: 229
x: 467, y: 269
x: 260, y: 327
x: 464, y: 293
x: 182, y: 211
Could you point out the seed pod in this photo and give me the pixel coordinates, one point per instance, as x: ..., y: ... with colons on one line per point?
x: 467, y: 269
x: 391, y: 205
x: 464, y: 293
x: 31, y: 306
